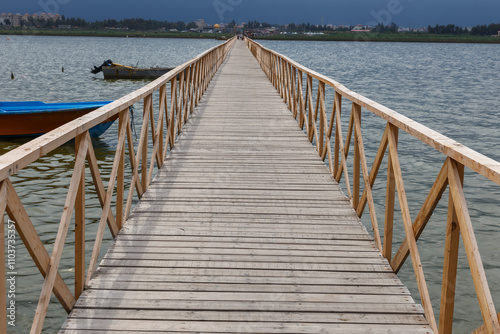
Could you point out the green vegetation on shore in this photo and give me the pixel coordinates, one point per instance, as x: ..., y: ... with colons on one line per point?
x: 329, y: 36
x: 107, y: 33
x: 386, y: 37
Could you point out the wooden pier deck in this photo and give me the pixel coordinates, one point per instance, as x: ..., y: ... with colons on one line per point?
x: 244, y: 230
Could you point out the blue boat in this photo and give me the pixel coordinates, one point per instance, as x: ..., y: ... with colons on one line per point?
x: 34, y: 118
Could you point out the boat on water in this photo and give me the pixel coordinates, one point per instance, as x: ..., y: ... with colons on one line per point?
x: 34, y: 118
x: 117, y: 71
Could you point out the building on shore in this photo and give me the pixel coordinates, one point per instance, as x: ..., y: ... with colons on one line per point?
x: 17, y: 20
x: 361, y: 28
x: 200, y: 24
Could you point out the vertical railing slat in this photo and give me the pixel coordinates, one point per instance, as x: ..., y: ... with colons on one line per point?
x: 450, y: 264
x: 80, y: 230
x: 366, y: 177
x: 471, y: 249
x: 143, y: 143
x: 120, y: 189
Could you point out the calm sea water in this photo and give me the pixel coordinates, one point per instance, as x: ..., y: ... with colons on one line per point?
x: 448, y: 87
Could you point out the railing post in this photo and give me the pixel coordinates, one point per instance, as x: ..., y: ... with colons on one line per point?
x: 450, y: 266
x: 300, y: 89
x: 144, y: 160
x: 294, y: 91
x: 178, y: 110
x: 309, y: 102
x: 173, y: 104
x: 389, y: 206
x: 336, y: 154
x: 471, y: 249
x: 322, y: 112
x: 80, y: 230
x: 356, y: 174
x: 121, y: 177
x: 289, y: 86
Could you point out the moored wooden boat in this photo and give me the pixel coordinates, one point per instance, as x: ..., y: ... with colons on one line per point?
x: 33, y: 118
x: 124, y: 72
x: 117, y: 71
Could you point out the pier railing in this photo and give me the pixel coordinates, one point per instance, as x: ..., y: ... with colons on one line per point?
x: 186, y: 83
x: 304, y: 91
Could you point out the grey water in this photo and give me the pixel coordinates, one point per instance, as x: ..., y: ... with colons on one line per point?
x: 451, y: 88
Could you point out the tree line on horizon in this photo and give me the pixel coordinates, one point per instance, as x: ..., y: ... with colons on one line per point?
x: 151, y: 25
x: 451, y: 29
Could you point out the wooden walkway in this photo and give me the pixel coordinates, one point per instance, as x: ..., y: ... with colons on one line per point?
x: 244, y: 230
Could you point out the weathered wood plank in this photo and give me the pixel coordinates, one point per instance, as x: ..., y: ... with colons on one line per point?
x: 238, y: 327
x: 114, y: 277
x: 244, y: 274
x: 256, y: 288
x: 245, y: 265
x: 330, y: 318
x: 246, y: 258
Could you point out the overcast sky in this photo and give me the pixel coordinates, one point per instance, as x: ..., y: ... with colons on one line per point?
x: 414, y: 13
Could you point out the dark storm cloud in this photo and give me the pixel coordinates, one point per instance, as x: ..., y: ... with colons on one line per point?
x: 402, y: 12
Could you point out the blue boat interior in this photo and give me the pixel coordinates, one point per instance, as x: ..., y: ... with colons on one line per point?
x: 23, y: 107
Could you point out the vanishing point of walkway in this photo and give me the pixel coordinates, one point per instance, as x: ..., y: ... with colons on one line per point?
x: 244, y: 230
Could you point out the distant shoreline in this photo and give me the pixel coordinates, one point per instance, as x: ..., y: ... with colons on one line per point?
x: 387, y: 37
x: 333, y: 37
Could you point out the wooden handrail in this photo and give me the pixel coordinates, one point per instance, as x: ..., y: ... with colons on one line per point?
x: 188, y: 82
x: 296, y: 84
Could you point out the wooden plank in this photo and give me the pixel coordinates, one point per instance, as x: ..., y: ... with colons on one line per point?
x: 241, y: 258
x: 245, y: 265
x: 248, y: 288
x: 250, y: 305
x: 235, y: 251
x: 353, y: 246
x: 244, y: 273
x: 234, y: 327
x: 271, y: 235
x: 329, y: 318
x: 111, y: 278
x: 124, y: 297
